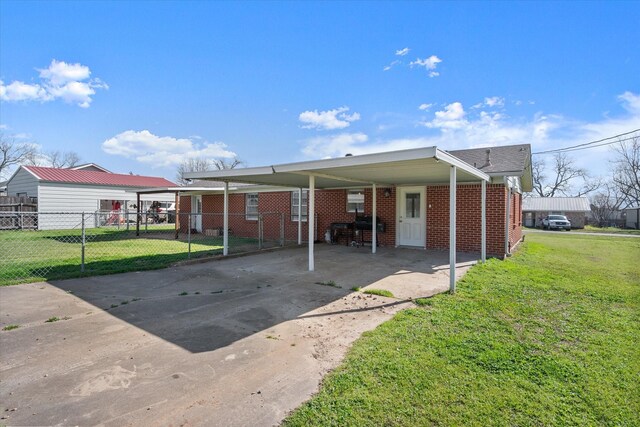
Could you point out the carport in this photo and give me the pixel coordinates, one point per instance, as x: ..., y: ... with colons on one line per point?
x: 422, y: 166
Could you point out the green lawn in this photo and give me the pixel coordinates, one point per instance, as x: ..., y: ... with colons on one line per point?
x: 29, y: 256
x: 548, y: 337
x: 592, y: 229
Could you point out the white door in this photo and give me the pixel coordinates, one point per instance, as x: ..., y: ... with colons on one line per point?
x: 411, y: 216
x: 196, y: 209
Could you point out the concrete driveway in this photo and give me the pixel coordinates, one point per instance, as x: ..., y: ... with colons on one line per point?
x: 240, y: 341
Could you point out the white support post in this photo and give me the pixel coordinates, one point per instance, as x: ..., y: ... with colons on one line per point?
x: 452, y: 229
x: 311, y: 201
x: 374, y: 213
x: 225, y: 221
x: 299, y: 216
x: 483, y: 226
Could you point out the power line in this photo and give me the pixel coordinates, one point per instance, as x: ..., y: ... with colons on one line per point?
x: 586, y: 145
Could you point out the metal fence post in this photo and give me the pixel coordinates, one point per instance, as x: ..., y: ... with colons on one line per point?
x: 146, y: 222
x: 189, y: 237
x: 83, y: 244
x: 126, y: 217
x: 281, y: 229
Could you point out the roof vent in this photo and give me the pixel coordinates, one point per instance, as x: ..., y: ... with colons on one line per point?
x: 488, y: 161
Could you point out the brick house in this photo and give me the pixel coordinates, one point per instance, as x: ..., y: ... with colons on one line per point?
x: 411, y: 189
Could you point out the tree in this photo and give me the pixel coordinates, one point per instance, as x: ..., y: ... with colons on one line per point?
x: 60, y: 159
x: 605, y: 203
x: 54, y: 159
x: 199, y: 164
x: 562, y: 179
x: 13, y: 153
x: 626, y: 173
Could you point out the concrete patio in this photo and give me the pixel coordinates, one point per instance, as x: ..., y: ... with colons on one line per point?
x: 238, y: 341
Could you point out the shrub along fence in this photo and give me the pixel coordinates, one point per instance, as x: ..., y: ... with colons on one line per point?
x: 59, y: 245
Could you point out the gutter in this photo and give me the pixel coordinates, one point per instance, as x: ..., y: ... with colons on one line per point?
x: 507, y: 225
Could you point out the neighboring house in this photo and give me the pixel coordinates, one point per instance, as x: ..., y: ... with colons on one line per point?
x: 534, y: 209
x: 633, y: 217
x: 3, y: 188
x: 412, y: 193
x: 88, y: 189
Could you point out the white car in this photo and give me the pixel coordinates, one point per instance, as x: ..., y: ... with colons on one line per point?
x: 556, y: 222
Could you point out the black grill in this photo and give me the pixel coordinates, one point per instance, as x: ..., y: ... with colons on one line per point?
x: 354, y: 231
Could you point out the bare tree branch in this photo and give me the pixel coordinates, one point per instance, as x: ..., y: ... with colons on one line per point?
x: 564, y: 177
x: 199, y: 164
x: 606, y: 203
x: 626, y: 175
x: 59, y: 159
x: 13, y: 153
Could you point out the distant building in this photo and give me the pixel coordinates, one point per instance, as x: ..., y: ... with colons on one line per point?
x: 534, y: 209
x: 86, y: 188
x: 633, y: 217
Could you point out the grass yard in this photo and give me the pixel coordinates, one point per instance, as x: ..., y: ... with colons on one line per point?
x: 30, y: 256
x: 548, y: 337
x: 592, y: 229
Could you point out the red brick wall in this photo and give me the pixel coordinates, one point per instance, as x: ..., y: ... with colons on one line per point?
x: 331, y: 206
x: 468, y: 217
x: 515, y: 219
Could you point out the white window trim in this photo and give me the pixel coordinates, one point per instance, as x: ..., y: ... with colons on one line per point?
x: 251, y: 216
x: 305, y: 206
x: 359, y: 190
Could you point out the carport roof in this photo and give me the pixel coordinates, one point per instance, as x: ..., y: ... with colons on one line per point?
x: 405, y: 167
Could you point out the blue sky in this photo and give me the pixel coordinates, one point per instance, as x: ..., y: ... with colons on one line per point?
x: 140, y: 86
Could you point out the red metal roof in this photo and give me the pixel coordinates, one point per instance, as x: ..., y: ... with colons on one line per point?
x: 97, y: 178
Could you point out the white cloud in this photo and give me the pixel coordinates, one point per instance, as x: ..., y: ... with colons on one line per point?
x: 494, y: 101
x: 425, y: 107
x: 429, y: 64
x: 159, y: 151
x: 452, y: 117
x: 630, y: 102
x: 328, y: 120
x: 332, y: 145
x: 68, y: 82
x: 59, y: 73
x: 391, y: 65
x: 402, y: 52
x: 20, y: 91
x: 454, y: 128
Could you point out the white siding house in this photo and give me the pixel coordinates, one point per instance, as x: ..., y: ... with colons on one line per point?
x: 77, y: 191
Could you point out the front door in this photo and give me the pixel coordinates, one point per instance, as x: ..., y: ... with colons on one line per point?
x: 411, y: 216
x: 196, y: 210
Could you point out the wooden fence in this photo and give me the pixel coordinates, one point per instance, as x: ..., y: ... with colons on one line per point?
x: 18, y: 213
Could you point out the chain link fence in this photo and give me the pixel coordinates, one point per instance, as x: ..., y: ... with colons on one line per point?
x: 37, y: 246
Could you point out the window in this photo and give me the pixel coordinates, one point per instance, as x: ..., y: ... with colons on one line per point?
x: 355, y: 201
x: 295, y: 205
x: 412, y: 205
x: 21, y: 194
x: 251, y: 206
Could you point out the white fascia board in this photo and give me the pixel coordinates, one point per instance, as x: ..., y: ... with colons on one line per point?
x: 454, y: 161
x: 314, y: 165
x: 364, y: 159
x: 228, y: 174
x: 18, y: 170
